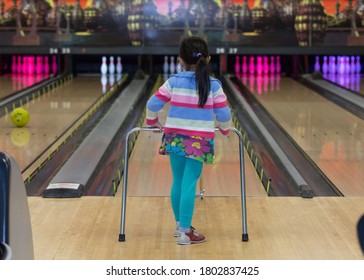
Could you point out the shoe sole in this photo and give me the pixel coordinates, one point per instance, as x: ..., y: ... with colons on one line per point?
x: 190, y: 242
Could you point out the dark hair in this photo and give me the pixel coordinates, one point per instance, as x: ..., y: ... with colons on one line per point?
x: 194, y: 51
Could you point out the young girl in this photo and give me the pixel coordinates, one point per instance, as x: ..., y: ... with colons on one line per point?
x: 196, y: 100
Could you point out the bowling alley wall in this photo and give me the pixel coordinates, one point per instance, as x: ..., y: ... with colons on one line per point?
x: 159, y: 22
x: 86, y: 30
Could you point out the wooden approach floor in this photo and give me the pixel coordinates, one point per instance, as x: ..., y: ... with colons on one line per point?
x: 280, y: 228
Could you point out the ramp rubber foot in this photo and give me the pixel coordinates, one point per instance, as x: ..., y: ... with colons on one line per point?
x: 121, y: 237
x: 244, y: 237
x: 305, y: 192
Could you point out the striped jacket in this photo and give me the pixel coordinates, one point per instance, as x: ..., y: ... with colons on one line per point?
x: 184, y: 115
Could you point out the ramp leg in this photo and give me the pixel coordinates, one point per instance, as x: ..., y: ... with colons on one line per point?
x: 125, y: 183
x: 242, y: 182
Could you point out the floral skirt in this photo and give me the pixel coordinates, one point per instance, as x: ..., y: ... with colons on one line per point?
x: 199, y: 148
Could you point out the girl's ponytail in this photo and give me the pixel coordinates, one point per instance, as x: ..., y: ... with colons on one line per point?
x: 202, y: 80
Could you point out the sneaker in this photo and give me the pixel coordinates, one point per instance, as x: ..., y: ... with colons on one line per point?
x: 192, y: 237
x: 177, y: 232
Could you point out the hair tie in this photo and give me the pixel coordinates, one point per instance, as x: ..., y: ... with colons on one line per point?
x: 197, y: 54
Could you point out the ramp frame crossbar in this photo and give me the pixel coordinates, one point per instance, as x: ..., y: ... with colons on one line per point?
x: 125, y: 180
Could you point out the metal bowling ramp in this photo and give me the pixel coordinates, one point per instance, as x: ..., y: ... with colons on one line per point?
x: 16, y: 237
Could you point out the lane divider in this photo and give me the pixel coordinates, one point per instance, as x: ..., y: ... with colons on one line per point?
x: 263, y: 176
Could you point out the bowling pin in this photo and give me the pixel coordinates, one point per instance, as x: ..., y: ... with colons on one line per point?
x: 103, y: 68
x: 347, y: 65
x: 165, y: 65
x: 259, y: 65
x: 119, y: 66
x: 332, y: 65
x: 172, y: 65
x: 111, y: 65
x: 46, y: 64
x: 251, y: 65
x: 358, y: 65
x: 341, y: 63
x: 337, y: 64
x: 352, y: 64
x: 325, y: 65
x: 317, y: 64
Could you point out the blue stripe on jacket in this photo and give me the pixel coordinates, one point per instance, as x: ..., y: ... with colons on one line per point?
x: 222, y: 114
x: 190, y: 113
x: 154, y: 104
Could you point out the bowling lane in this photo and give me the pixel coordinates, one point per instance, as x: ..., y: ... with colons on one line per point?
x: 11, y: 83
x: 50, y: 115
x: 332, y: 137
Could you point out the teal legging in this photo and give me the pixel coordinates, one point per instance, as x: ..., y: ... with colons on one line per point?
x: 186, y: 172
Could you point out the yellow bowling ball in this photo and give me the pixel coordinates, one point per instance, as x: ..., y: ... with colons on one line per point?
x: 19, y: 117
